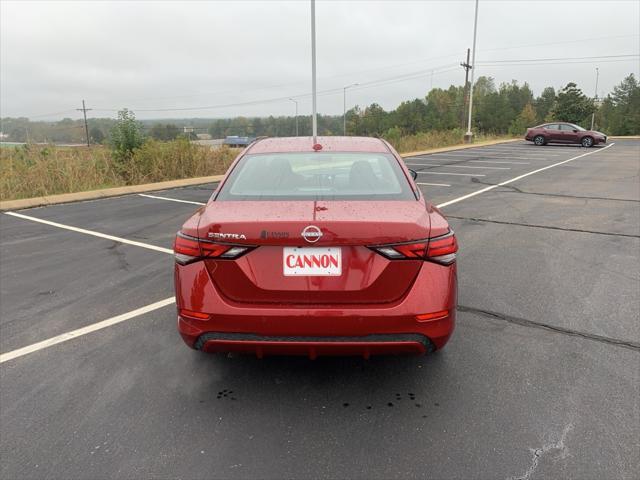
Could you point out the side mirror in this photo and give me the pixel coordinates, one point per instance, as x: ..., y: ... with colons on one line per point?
x: 575, y: 130
x: 414, y: 174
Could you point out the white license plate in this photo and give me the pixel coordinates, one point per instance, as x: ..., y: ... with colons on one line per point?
x: 315, y: 261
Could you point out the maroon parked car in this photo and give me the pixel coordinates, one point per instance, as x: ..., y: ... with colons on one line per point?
x: 560, y: 132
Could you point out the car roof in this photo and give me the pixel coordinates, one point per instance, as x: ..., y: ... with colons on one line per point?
x: 329, y: 144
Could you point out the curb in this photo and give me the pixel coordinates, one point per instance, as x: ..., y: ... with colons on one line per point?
x: 459, y: 147
x: 623, y: 137
x: 104, y: 193
x: 186, y: 182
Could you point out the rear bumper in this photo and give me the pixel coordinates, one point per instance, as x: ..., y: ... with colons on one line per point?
x: 317, y: 330
x: 314, y: 346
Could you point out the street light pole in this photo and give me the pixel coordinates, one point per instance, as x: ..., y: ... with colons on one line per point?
x: 314, y: 111
x: 468, y: 137
x: 593, y: 115
x: 344, y: 107
x: 294, y: 101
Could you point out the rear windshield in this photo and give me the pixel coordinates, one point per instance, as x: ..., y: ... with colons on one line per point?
x: 317, y: 176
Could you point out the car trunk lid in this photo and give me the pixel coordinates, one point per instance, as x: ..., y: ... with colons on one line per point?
x: 347, y: 228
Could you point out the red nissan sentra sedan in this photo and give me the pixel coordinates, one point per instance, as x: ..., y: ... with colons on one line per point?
x: 326, y: 249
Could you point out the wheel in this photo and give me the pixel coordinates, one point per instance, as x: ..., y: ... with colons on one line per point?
x: 587, y: 142
x: 539, y: 140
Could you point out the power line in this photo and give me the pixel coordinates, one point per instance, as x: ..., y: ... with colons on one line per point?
x: 375, y: 83
x: 395, y: 66
x: 363, y: 85
x: 563, y: 58
x: 384, y: 81
x: 557, y: 63
x: 51, y: 114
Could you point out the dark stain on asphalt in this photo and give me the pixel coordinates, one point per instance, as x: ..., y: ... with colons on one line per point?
x: 222, y: 394
x: 397, y: 402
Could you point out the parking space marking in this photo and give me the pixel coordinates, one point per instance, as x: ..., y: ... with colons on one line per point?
x: 451, y: 173
x: 91, y: 232
x: 473, y: 155
x: 20, y: 352
x: 496, y: 155
x: 515, y: 179
x: 455, y: 166
x: 434, y: 184
x: 489, y: 161
x: 170, y: 199
x: 529, y: 149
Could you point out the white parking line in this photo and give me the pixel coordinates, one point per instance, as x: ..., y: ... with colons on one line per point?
x: 90, y: 232
x: 434, y: 184
x: 451, y: 173
x: 489, y: 161
x: 489, y: 153
x: 515, y: 179
x: 170, y: 199
x: 444, y: 156
x: 524, y: 149
x: 20, y: 352
x: 455, y: 166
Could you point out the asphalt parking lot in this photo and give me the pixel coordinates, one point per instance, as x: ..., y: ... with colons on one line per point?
x: 541, y: 378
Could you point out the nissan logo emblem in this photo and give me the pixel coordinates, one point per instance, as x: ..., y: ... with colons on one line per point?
x: 311, y: 234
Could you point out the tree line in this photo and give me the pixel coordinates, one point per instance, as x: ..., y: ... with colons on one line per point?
x: 508, y: 108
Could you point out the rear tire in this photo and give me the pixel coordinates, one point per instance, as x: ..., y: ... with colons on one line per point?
x: 539, y: 140
x: 587, y: 142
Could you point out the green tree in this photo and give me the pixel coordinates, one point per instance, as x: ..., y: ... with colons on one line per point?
x: 545, y: 103
x: 442, y: 111
x: 126, y: 136
x: 96, y: 135
x: 620, y: 111
x: 373, y: 122
x: 572, y: 105
x: 354, y: 121
x: 165, y: 132
x: 526, y: 118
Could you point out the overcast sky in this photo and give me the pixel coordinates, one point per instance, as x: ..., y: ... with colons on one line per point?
x: 154, y: 55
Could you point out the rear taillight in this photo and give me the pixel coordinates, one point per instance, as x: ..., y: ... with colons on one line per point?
x: 188, y: 249
x: 440, y: 249
x: 443, y: 249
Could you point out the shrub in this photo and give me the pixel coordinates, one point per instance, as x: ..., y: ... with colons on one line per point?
x: 126, y: 136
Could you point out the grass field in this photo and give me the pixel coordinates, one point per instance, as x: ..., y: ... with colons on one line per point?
x: 31, y: 171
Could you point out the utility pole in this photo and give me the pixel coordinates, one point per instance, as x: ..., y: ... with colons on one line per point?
x: 314, y: 111
x: 468, y: 137
x: 467, y: 66
x: 344, y: 107
x: 593, y: 115
x: 295, y: 101
x: 84, y: 110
